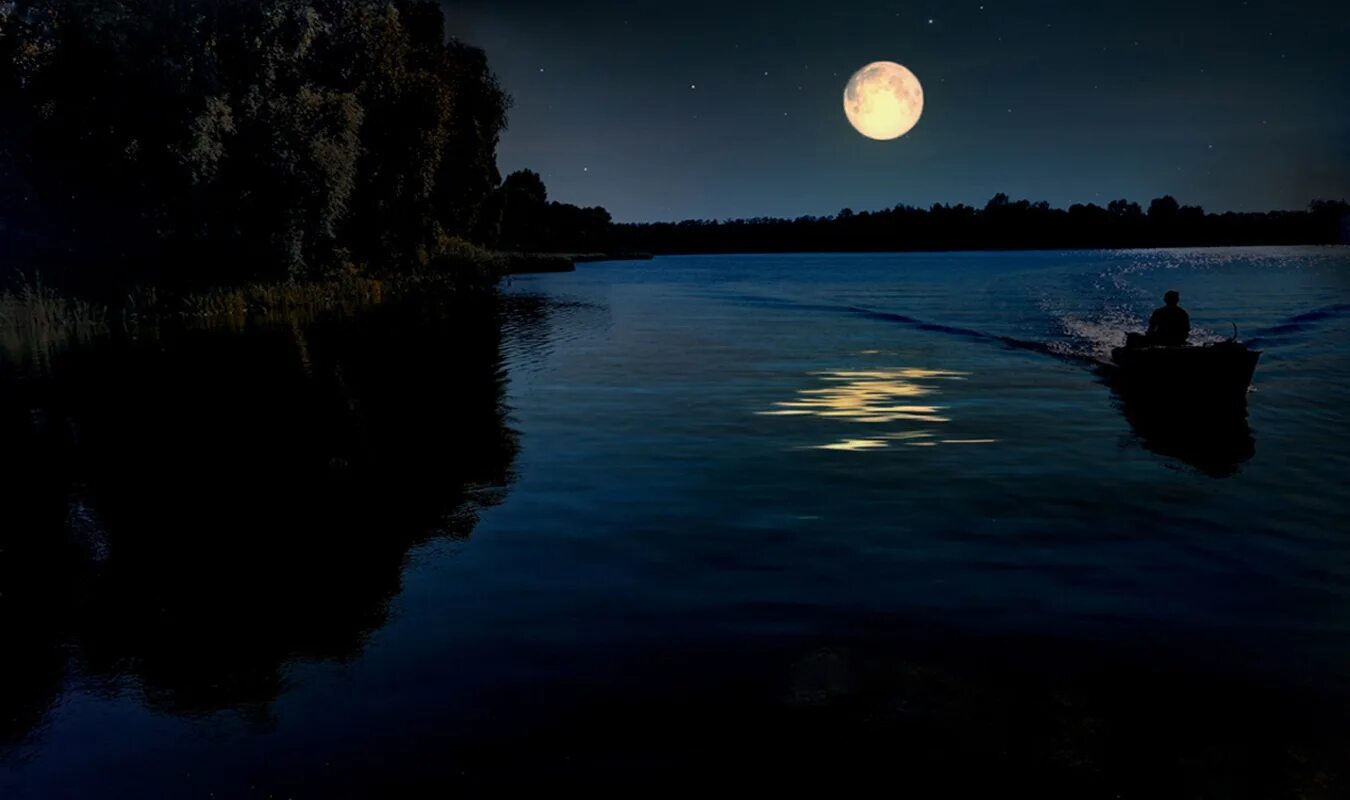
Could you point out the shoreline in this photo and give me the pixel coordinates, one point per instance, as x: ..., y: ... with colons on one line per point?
x: 991, y: 250
x: 32, y: 307
x: 540, y: 263
x: 37, y: 312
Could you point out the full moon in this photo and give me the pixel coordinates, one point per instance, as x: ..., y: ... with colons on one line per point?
x: 883, y: 100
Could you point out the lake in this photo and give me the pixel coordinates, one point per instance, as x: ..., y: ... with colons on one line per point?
x: 762, y: 521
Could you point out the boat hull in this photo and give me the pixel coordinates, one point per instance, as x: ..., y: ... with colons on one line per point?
x: 1220, y: 371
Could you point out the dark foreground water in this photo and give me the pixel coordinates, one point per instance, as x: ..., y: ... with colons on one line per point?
x: 806, y: 522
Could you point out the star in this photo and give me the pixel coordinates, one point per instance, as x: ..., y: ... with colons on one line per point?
x: 692, y: 86
x: 930, y: 20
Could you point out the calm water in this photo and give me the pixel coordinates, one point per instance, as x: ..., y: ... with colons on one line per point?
x: 758, y: 520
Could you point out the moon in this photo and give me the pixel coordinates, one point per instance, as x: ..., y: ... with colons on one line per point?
x: 883, y: 100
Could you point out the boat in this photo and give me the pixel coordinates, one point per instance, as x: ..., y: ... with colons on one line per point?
x: 1220, y: 371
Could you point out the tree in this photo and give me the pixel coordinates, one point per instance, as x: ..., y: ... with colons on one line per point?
x: 238, y: 137
x: 1331, y: 219
x: 524, y: 202
x: 1124, y: 209
x: 1163, y: 208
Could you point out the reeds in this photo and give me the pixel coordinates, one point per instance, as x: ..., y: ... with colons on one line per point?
x: 35, y: 306
x: 262, y: 299
x: 32, y: 306
x: 34, y: 317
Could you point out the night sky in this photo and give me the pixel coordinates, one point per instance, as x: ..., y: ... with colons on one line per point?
x: 673, y: 110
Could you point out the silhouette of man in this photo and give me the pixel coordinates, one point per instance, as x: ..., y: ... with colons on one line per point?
x: 1170, y: 325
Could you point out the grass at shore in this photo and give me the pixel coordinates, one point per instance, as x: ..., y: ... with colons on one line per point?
x: 35, y: 318
x: 33, y: 305
x: 28, y: 303
x: 36, y: 315
x: 40, y: 306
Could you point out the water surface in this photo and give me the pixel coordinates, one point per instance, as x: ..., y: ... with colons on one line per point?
x: 759, y: 519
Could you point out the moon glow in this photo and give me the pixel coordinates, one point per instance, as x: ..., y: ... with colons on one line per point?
x: 883, y: 100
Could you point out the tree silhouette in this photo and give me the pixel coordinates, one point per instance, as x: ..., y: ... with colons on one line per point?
x: 524, y: 202
x: 241, y: 138
x: 1163, y: 209
x: 1003, y: 223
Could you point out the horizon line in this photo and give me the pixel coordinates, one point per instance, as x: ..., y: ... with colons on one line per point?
x: 1304, y: 209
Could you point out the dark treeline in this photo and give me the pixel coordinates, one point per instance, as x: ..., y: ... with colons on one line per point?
x: 204, y: 140
x: 531, y: 223
x: 1001, y: 224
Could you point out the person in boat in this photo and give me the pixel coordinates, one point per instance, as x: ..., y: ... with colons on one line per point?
x: 1170, y: 326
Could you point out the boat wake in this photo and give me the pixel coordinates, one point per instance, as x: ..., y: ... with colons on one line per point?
x: 1085, y: 339
x: 1297, y: 324
x: 952, y: 330
x: 1060, y: 350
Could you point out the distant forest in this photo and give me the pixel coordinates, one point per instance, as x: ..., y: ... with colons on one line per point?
x: 1002, y: 224
x: 201, y: 142
x: 530, y: 222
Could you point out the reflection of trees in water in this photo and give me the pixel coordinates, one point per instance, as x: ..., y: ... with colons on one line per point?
x: 533, y: 324
x: 194, y: 512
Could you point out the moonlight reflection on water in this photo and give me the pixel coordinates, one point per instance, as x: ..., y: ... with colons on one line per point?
x: 870, y: 396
